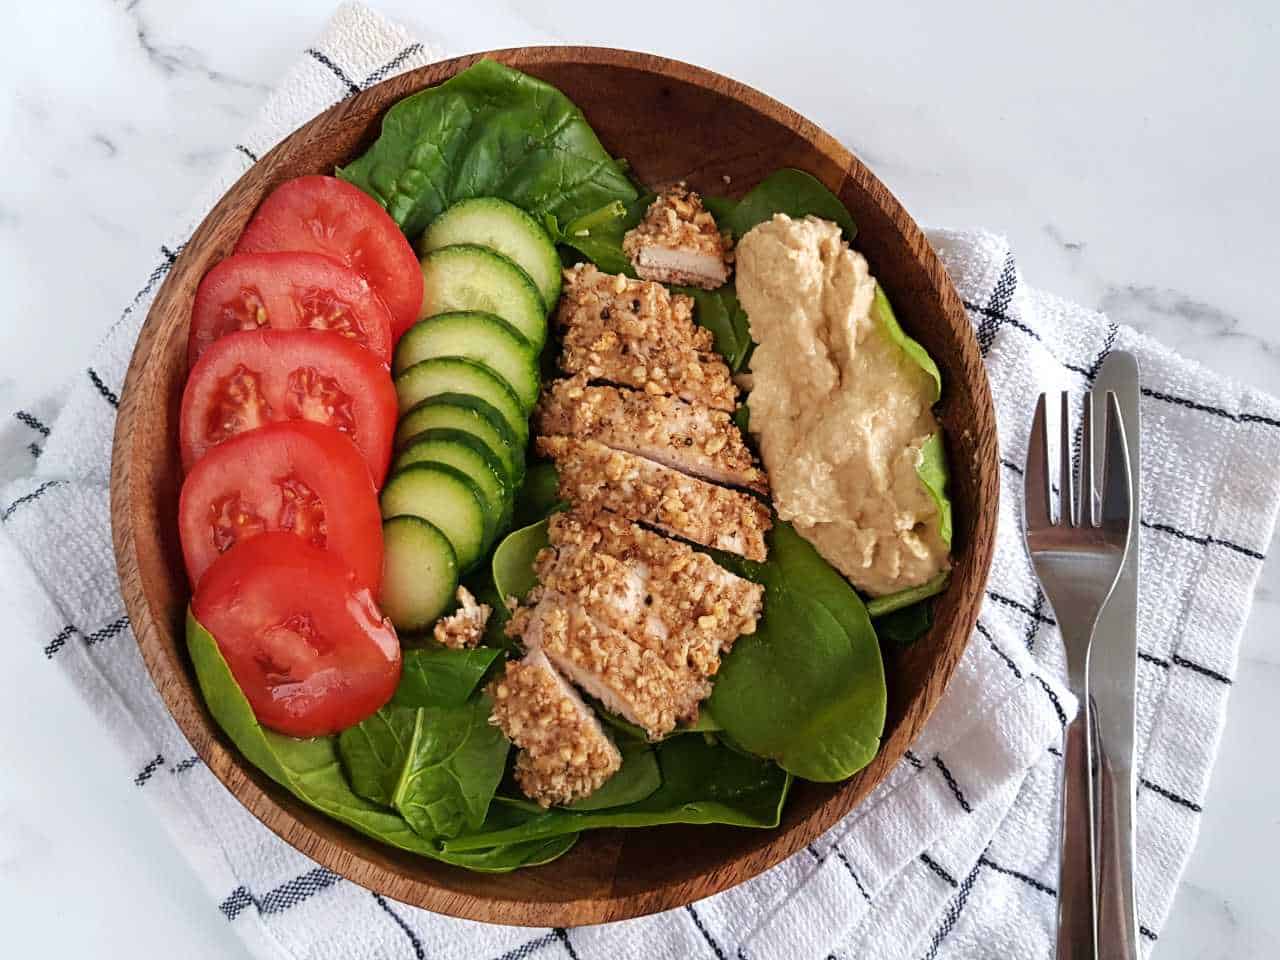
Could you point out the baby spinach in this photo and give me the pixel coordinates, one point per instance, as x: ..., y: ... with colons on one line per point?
x: 807, y: 688
x: 793, y: 192
x: 513, y: 560
x: 719, y: 311
x: 934, y: 474
x: 636, y: 779
x: 901, y: 628
x: 540, y: 495
x: 701, y: 783
x: 598, y: 235
x: 440, y: 677
x: 438, y: 766
x: 912, y: 348
x: 880, y: 606
x: 311, y: 771
x: 488, y: 131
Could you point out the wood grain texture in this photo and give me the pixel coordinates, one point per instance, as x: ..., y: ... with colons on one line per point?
x: 671, y: 121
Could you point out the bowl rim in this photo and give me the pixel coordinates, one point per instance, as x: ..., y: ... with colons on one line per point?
x: 229, y: 766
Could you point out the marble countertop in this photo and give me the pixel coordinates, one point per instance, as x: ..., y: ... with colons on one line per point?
x: 1128, y: 155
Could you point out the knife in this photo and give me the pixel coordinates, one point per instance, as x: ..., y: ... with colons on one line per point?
x: 1113, y: 669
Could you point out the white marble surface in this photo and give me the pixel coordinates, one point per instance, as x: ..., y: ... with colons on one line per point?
x: 1130, y: 154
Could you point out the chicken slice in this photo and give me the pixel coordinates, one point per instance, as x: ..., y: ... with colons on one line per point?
x: 636, y: 333
x: 678, y: 242
x: 564, y: 753
x: 465, y: 626
x: 593, y: 476
x: 628, y: 679
x: 686, y: 437
x: 662, y: 594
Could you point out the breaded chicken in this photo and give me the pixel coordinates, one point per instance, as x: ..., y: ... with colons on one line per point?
x: 628, y: 679
x: 637, y: 334
x: 595, y: 477
x: 684, y: 436
x: 678, y: 242
x: 662, y: 594
x: 564, y: 753
x: 465, y: 626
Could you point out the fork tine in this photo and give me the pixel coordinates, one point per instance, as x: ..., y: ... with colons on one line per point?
x: 1035, y: 478
x: 1115, y: 469
x: 1088, y: 489
x: 1066, y: 499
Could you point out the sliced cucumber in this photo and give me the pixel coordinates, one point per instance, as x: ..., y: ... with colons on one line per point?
x: 419, y: 572
x: 468, y: 277
x: 464, y: 452
x: 457, y: 375
x: 456, y: 411
x: 504, y: 227
x: 482, y: 337
x: 446, y: 497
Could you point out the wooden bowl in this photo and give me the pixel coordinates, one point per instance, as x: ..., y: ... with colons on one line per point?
x: 671, y: 121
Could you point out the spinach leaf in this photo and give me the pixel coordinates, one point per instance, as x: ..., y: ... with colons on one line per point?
x: 311, y: 771
x: 933, y: 473
x: 705, y: 723
x: 438, y: 766
x: 889, y: 603
x: 793, y: 192
x: 807, y: 688
x: 701, y: 783
x: 513, y: 560
x: 904, y: 627
x: 488, y: 131
x: 719, y: 311
x: 540, y: 495
x: 598, y: 235
x: 912, y: 348
x: 439, y: 677
x: 636, y: 779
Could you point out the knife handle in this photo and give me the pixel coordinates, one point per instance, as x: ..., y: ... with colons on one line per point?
x: 1077, y: 922
x: 1114, y: 798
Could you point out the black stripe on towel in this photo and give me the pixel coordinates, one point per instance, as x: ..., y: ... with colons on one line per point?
x: 1148, y: 932
x: 106, y: 633
x: 247, y: 152
x: 706, y: 935
x: 1036, y: 614
x: 385, y: 70
x: 936, y: 868
x: 236, y: 901
x: 59, y: 641
x: 336, y: 70
x: 562, y: 935
x: 1206, y: 408
x: 951, y: 782
x: 293, y: 892
x: 528, y: 948
x: 954, y: 909
x: 399, y: 921
x: 107, y: 393
x: 1204, y: 540
x: 849, y: 866
x: 28, y: 497
x: 32, y: 421
x: 1171, y: 796
x: 185, y: 765
x: 1018, y: 875
x: 146, y: 772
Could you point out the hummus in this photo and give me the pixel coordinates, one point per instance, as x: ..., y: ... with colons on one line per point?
x: 838, y: 407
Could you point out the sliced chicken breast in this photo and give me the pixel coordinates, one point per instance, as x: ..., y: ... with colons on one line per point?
x: 678, y: 242
x: 684, y: 436
x: 637, y: 334
x: 595, y: 477
x: 564, y: 753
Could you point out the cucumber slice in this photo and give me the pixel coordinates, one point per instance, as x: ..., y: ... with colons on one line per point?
x: 419, y: 573
x: 504, y: 227
x: 464, y: 452
x: 446, y: 497
x: 457, y: 375
x: 474, y: 336
x: 468, y: 277
x: 456, y: 411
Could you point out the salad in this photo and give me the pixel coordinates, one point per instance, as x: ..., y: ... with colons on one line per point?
x: 489, y: 544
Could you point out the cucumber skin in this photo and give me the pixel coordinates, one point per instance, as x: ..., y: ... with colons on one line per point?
x: 490, y: 330
x: 531, y: 308
x: 403, y: 621
x: 516, y: 420
x: 466, y: 562
x: 505, y: 506
x: 512, y: 453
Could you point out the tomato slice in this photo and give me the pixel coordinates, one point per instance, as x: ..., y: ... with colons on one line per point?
x: 251, y: 378
x: 303, y: 638
x: 297, y: 476
x: 330, y: 216
x: 287, y: 291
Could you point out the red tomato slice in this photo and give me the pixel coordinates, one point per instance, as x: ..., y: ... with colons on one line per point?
x: 287, y: 291
x: 303, y: 638
x: 330, y: 216
x: 296, y: 476
x: 252, y: 378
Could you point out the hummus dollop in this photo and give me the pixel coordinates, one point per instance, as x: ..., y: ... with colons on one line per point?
x: 839, y: 409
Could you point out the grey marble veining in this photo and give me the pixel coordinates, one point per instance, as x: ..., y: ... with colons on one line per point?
x: 1129, y: 152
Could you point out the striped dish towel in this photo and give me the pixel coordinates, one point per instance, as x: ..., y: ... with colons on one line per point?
x: 952, y: 856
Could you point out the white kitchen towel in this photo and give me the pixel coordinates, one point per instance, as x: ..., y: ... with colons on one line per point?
x: 952, y: 856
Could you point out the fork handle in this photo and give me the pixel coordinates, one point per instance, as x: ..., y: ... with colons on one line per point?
x: 1077, y: 921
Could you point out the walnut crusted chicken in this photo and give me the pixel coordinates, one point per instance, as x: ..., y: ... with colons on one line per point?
x: 597, y: 477
x: 564, y: 753
x: 684, y: 436
x: 678, y: 242
x: 637, y: 334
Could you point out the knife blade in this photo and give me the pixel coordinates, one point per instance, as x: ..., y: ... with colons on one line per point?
x: 1112, y: 686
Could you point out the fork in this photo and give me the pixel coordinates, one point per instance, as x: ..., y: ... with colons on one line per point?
x: 1077, y: 552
